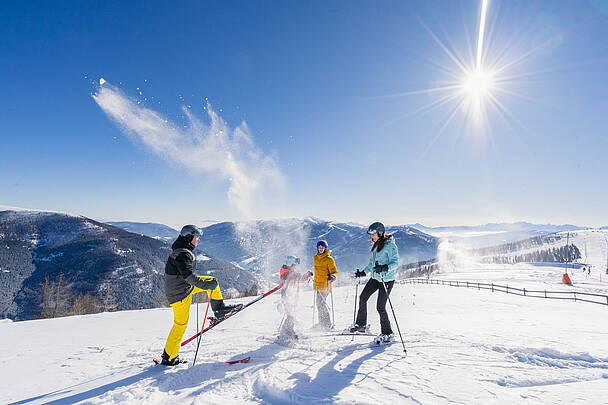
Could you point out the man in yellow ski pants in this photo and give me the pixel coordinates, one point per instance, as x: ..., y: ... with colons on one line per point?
x: 180, y: 284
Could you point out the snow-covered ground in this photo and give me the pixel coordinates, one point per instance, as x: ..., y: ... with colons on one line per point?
x: 464, y: 346
x: 457, y: 264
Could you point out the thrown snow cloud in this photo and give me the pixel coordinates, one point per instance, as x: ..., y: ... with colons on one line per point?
x: 214, y: 148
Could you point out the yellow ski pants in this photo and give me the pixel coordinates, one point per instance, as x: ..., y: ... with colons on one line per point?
x: 181, y: 313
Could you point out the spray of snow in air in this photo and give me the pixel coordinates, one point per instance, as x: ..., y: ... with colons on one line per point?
x: 214, y: 149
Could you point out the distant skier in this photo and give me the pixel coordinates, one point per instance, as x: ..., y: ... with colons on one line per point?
x: 324, y: 276
x: 289, y: 295
x: 181, y: 283
x: 383, y: 262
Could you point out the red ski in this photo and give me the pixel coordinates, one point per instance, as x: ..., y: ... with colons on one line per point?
x: 245, y: 360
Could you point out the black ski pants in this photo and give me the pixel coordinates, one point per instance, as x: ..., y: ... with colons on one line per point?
x: 370, y: 288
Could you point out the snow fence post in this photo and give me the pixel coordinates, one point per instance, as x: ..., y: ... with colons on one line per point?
x: 492, y: 287
x: 524, y: 291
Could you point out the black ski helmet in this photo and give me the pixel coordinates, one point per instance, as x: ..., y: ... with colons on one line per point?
x: 193, y: 230
x: 322, y: 242
x: 376, y: 227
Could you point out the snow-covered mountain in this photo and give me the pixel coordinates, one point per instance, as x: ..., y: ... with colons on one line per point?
x: 92, y: 257
x: 493, y: 234
x: 587, y: 248
x: 153, y: 230
x: 263, y: 245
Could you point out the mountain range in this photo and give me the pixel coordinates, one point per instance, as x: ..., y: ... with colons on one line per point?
x: 93, y: 258
x: 262, y: 246
x: 492, y: 234
x: 153, y: 230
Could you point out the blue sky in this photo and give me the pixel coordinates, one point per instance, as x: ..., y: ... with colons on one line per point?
x: 309, y: 79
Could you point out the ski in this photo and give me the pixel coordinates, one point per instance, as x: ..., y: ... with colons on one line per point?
x: 245, y: 360
x: 217, y: 322
x: 351, y: 334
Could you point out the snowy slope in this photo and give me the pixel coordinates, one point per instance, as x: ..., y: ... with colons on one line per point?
x: 464, y: 346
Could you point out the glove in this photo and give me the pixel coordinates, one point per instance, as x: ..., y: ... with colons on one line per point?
x: 210, y: 284
x: 359, y: 273
x: 331, y: 278
x: 309, y: 274
x: 380, y: 268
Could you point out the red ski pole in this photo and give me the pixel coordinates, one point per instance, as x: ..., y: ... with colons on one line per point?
x: 199, y: 340
x: 196, y: 312
x: 185, y: 342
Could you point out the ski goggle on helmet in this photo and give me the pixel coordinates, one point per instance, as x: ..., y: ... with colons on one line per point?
x: 322, y: 243
x: 191, y: 230
x: 376, y: 227
x: 292, y: 260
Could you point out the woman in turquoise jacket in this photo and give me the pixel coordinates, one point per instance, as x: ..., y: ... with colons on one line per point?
x: 383, y: 262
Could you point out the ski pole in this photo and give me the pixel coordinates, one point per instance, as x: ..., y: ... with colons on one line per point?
x: 196, y: 312
x: 324, y: 301
x: 203, y: 330
x: 333, y: 317
x: 392, y: 309
x: 356, y: 293
x: 281, y: 324
x: 199, y: 334
x: 314, y: 301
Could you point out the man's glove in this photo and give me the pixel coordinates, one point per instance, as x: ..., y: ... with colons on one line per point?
x: 331, y: 278
x: 380, y: 268
x: 210, y: 284
x: 359, y: 273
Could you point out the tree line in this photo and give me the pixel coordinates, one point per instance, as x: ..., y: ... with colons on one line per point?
x: 57, y: 300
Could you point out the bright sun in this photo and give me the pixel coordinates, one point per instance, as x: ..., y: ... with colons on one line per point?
x: 477, y: 84
x: 476, y: 87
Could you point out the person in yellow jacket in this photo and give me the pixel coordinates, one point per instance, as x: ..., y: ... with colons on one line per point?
x: 324, y: 276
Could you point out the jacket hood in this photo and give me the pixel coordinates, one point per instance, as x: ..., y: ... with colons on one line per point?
x: 181, y: 243
x: 326, y: 253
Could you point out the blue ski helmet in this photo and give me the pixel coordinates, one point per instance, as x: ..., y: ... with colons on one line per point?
x: 322, y: 243
x: 376, y: 227
x: 292, y: 260
x: 191, y: 230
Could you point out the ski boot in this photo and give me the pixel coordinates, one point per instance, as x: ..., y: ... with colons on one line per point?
x: 221, y: 311
x: 354, y: 328
x: 382, y: 339
x: 165, y: 361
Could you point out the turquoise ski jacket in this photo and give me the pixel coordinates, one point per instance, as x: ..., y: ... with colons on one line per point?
x: 388, y: 255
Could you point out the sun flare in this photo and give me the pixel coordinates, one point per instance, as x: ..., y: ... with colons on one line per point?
x: 476, y: 81
x: 477, y: 87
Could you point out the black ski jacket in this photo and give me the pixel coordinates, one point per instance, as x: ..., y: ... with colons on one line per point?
x: 179, y: 272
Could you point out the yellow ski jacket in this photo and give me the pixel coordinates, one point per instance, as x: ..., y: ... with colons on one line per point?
x: 324, y: 266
